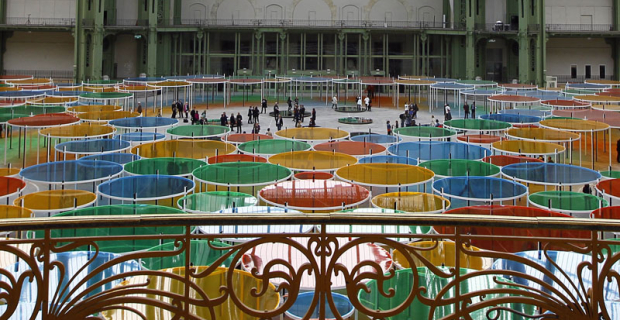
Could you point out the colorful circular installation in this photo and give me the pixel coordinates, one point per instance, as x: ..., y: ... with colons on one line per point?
x: 145, y: 188
x: 144, y: 123
x: 46, y: 203
x: 214, y: 201
x: 433, y: 150
x: 541, y: 134
x: 574, y: 125
x: 10, y: 187
x: 195, y: 149
x: 106, y: 116
x: 353, y: 148
x: 313, y: 175
x: 511, y: 118
x: 504, y: 160
x: 417, y: 133
x: 567, y: 202
x: 167, y: 166
x: 79, y: 131
x: 90, y: 147
x: 476, y: 125
x: 389, y: 159
x: 318, y: 195
x: 483, y: 140
x: 268, y: 148
x: 460, y: 168
x: 511, y: 245
x: 94, y: 108
x: 197, y: 132
x: 467, y: 191
x: 241, y: 174
x: 136, y: 138
x: 120, y: 158
x: 553, y: 174
x: 236, y: 158
x: 9, y: 172
x: 415, y: 202
x: 72, y: 172
x: 383, y: 139
x: 313, y: 160
x: 313, y: 134
x: 385, y: 175
x: 44, y: 120
x: 238, y: 138
x: 528, y: 148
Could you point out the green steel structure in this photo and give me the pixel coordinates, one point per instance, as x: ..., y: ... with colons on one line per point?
x: 456, y: 47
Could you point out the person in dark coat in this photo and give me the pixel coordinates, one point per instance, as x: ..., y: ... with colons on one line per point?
x: 223, y: 120
x: 174, y: 110
x: 279, y: 122
x: 239, y: 121
x: 256, y: 113
x: 263, y: 106
x: 232, y: 122
x: 250, y: 114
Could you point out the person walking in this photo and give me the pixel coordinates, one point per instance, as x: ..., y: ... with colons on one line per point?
x: 295, y: 114
x: 446, y: 113
x: 186, y: 109
x: 279, y: 122
x: 239, y: 122
x: 334, y: 103
x: 179, y: 106
x: 466, y: 109
x: 313, y: 114
x: 256, y: 128
x: 414, y: 111
x: 232, y: 122
x: 359, y: 103
x: 192, y: 115
x: 174, y: 109
x: 264, y: 106
x: 367, y: 103
x: 223, y: 120
x: 276, y: 110
x: 296, y: 101
x: 256, y: 113
x: 290, y: 104
x: 196, y: 117
x: 302, y: 113
x: 250, y: 115
x: 389, y: 128
x: 473, y: 110
x: 139, y: 109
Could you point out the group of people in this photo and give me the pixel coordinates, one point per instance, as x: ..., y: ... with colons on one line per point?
x: 180, y: 108
x: 367, y: 103
x: 253, y: 114
x: 469, y: 111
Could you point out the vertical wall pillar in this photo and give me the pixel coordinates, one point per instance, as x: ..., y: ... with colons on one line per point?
x: 524, y: 42
x: 423, y: 42
x: 340, y: 66
x: 283, y: 50
x: 541, y: 44
x: 365, y: 63
x: 616, y: 43
x: 151, y: 65
x: 470, y: 41
x: 96, y: 45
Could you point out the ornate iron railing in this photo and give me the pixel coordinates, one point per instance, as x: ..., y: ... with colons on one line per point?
x: 39, y: 22
x: 573, y: 289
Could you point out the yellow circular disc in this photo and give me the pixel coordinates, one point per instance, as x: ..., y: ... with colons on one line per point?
x: 312, y: 134
x: 607, y: 82
x: 106, y: 115
x: 522, y: 147
x: 442, y: 253
x: 9, y: 172
x: 54, y: 100
x: 415, y: 82
x: 14, y: 212
x: 541, y: 134
x: 7, y: 89
x: 385, y: 174
x: 30, y: 81
x: 575, y: 125
x: 313, y: 160
x: 94, y: 108
x: 606, y: 107
x: 170, y: 84
x: 79, y: 131
x: 415, y: 202
x: 56, y: 200
x: 595, y: 98
x: 194, y: 149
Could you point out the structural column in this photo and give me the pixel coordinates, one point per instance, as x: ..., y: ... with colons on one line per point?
x: 151, y: 65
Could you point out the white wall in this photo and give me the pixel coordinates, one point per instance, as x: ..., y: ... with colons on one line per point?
x: 40, y: 8
x: 571, y: 11
x: 39, y: 51
x: 127, y: 9
x: 126, y: 56
x: 564, y: 52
